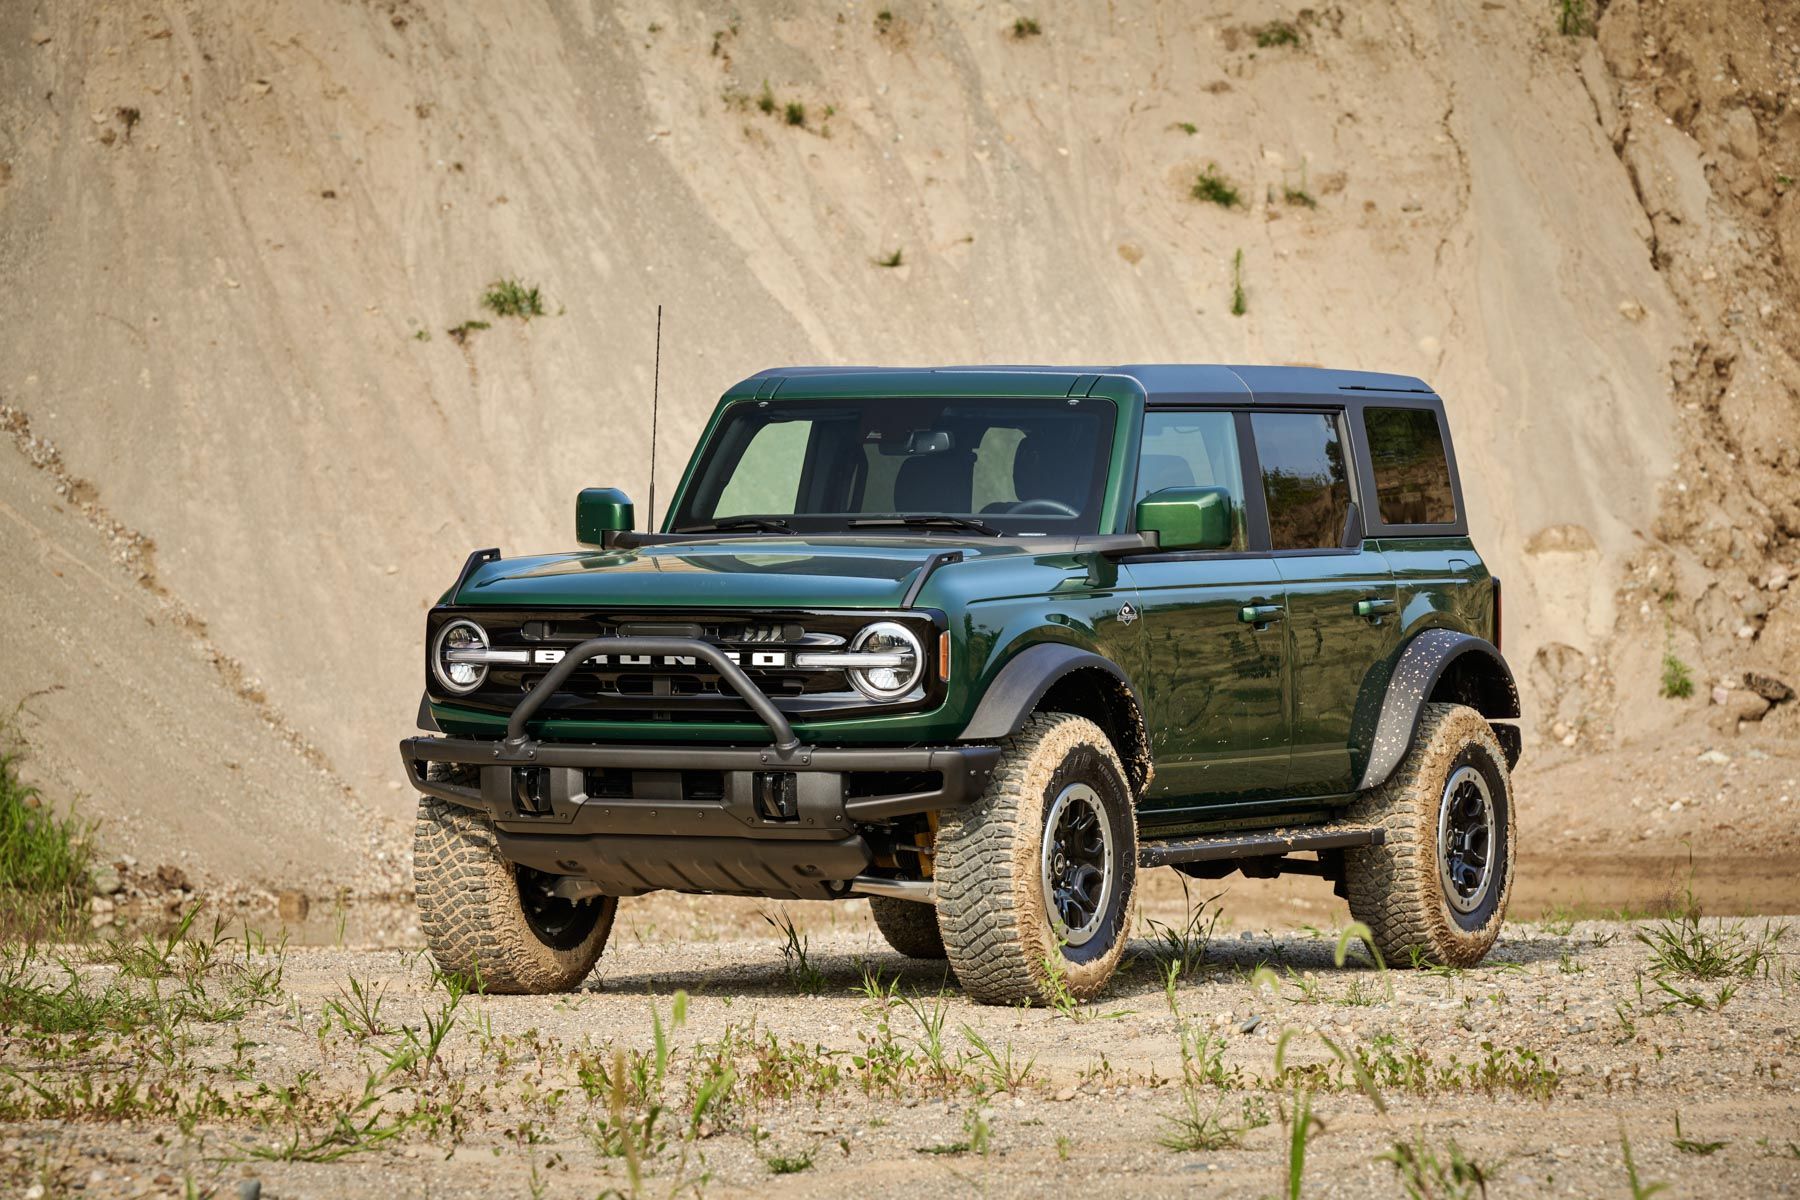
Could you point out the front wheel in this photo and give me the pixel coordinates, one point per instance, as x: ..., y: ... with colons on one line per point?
x: 1436, y: 890
x: 1036, y: 880
x: 909, y: 927
x: 491, y: 923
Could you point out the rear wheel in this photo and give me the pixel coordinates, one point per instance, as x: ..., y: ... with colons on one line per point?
x: 1036, y: 880
x: 491, y: 922
x: 909, y: 927
x: 1437, y: 888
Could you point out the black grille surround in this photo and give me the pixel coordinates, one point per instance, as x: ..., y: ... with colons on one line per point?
x: 665, y: 690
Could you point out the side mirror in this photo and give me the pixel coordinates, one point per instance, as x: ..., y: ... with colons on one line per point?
x: 1187, y: 518
x: 602, y: 511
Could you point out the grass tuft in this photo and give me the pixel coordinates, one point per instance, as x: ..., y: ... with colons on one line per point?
x: 1240, y: 304
x: 460, y: 333
x: 511, y: 298
x: 1214, y: 188
x: 791, y: 1164
x: 1677, y: 680
x: 897, y: 258
x: 1572, y: 19
x: 807, y: 979
x: 1687, y: 1145
x: 795, y: 113
x: 1277, y: 33
x: 1689, y: 948
x: 44, y: 859
x: 1026, y: 27
x: 1426, y: 1174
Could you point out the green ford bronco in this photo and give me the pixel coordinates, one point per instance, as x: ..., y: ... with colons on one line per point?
x: 980, y: 645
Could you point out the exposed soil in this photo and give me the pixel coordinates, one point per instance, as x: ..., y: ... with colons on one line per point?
x: 1535, y: 1064
x: 234, y: 248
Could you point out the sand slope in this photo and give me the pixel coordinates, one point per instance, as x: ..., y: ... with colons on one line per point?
x: 230, y: 309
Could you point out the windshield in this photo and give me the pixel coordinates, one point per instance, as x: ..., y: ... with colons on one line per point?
x: 981, y: 466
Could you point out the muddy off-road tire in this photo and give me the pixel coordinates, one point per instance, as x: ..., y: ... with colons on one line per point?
x: 909, y: 927
x: 1438, y: 886
x: 1054, y: 835
x: 489, y: 922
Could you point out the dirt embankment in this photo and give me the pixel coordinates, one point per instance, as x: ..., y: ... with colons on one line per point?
x: 236, y: 248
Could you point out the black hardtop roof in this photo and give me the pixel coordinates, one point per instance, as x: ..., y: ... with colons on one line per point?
x: 1163, y: 383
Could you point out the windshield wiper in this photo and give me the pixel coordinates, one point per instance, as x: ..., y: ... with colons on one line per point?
x: 764, y: 524
x: 927, y: 520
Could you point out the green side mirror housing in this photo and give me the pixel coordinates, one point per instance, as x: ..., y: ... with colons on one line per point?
x: 1187, y: 518
x: 600, y: 511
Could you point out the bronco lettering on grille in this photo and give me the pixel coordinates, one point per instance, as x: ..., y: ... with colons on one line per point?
x: 757, y: 658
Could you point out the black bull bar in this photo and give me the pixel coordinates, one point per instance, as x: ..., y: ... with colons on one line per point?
x: 782, y: 820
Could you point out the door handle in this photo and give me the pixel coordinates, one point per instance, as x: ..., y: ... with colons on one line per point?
x: 1374, y: 608
x: 1259, y: 614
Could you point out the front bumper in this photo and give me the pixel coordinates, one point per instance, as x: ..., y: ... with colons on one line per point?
x: 786, y: 820
x: 648, y: 826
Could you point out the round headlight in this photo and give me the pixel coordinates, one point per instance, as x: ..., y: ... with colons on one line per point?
x: 892, y: 679
x: 455, y: 641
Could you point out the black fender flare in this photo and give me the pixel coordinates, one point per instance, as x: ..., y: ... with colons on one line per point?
x: 1022, y: 682
x: 1415, y: 675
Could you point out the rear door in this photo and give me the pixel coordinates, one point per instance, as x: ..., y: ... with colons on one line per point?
x: 1214, y: 681
x: 1339, y: 594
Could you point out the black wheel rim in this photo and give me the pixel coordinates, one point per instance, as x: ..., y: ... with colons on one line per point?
x: 1077, y: 864
x: 558, y: 922
x: 1466, y: 835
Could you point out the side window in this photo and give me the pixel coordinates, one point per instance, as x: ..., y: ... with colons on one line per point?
x: 1412, y: 477
x: 1193, y: 449
x: 767, y: 476
x: 1304, y: 479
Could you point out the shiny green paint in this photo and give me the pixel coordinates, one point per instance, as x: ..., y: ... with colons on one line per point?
x: 759, y: 572
x: 1214, y: 685
x: 1189, y: 518
x: 600, y: 511
x: 1439, y: 583
x: 1001, y: 599
x: 1332, y: 648
x: 1241, y: 714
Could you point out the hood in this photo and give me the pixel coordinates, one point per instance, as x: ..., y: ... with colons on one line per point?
x: 734, y: 573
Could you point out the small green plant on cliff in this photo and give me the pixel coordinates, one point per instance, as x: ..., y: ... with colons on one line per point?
x: 44, y: 858
x: 1572, y: 18
x: 1239, y: 303
x: 1026, y: 27
x: 1214, y: 188
x: 795, y: 113
x: 897, y: 258
x: 1677, y: 683
x: 511, y: 298
x: 460, y: 333
x: 1299, y: 196
x: 1277, y: 33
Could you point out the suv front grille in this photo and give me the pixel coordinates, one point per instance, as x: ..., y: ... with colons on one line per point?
x: 669, y: 688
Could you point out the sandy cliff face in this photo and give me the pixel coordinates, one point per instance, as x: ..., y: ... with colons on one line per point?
x: 234, y: 241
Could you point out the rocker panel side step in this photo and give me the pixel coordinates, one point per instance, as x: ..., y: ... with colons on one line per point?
x: 1259, y: 843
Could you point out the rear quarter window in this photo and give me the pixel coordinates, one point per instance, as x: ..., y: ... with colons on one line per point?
x: 1412, y: 476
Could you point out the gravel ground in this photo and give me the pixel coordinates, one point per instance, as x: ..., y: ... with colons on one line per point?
x: 1535, y: 1065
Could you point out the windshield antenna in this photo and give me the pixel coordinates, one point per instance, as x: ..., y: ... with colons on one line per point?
x: 655, y: 396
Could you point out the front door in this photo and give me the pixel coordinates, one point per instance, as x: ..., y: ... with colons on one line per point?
x: 1340, y: 596
x: 1214, y: 641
